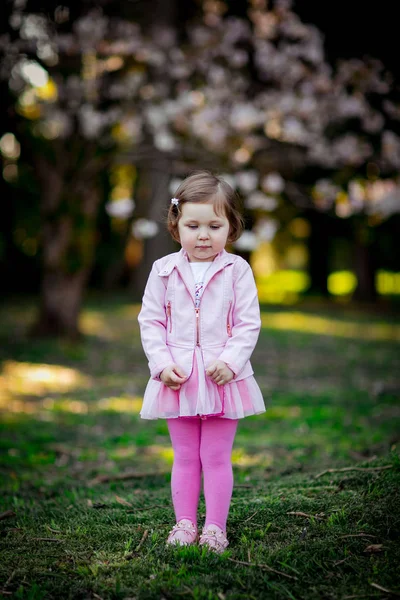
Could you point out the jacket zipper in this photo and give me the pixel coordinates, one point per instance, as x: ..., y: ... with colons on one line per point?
x: 228, y: 325
x: 197, y: 311
x: 169, y: 315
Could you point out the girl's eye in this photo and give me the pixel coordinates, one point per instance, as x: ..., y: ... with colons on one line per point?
x: 211, y: 226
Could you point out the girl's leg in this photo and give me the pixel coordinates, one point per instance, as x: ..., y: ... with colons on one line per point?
x: 217, y: 436
x: 186, y: 470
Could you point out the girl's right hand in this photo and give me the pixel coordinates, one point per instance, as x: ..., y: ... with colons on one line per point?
x: 173, y: 377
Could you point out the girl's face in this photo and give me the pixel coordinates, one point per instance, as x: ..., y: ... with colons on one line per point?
x: 202, y: 233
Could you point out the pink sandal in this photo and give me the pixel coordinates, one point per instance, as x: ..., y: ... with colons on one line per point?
x: 214, y: 538
x: 184, y: 533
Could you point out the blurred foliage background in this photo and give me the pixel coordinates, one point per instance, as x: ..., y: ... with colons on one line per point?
x: 107, y: 105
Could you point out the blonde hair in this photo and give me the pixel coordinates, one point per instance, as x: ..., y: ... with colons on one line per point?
x: 203, y: 187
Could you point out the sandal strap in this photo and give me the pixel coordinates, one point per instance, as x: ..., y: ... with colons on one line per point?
x: 216, y: 537
x: 184, y: 527
x: 187, y: 528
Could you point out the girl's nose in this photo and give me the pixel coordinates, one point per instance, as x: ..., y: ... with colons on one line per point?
x: 203, y: 234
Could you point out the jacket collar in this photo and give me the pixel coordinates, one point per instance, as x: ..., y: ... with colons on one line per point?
x: 180, y: 262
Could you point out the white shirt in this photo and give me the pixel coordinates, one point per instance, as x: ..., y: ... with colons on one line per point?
x: 199, y: 270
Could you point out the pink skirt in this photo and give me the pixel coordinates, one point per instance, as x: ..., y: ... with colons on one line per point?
x: 200, y: 396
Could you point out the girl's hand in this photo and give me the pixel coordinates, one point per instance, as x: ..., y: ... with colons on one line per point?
x: 173, y: 377
x: 219, y: 372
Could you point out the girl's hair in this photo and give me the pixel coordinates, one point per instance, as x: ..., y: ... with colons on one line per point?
x: 203, y: 187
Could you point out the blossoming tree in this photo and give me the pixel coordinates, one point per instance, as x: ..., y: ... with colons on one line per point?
x: 249, y: 94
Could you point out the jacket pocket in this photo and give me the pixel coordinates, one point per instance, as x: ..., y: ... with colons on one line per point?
x: 169, y: 316
x: 228, y: 320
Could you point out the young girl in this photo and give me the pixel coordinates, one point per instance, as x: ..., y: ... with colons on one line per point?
x: 199, y: 323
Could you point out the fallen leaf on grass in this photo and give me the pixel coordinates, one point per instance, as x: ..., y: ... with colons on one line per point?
x: 52, y: 530
x: 122, y: 501
x: 379, y: 587
x: 302, y: 514
x: 374, y: 548
x: 134, y: 553
x: 92, y: 504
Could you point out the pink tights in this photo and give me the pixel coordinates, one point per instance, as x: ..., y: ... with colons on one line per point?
x: 202, y: 445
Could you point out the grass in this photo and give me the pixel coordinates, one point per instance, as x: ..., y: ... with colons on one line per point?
x: 69, y: 415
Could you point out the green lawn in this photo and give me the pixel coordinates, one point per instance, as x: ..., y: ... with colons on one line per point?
x: 70, y: 432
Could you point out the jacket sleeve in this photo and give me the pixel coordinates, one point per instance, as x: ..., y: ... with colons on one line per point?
x: 246, y: 321
x: 153, y: 323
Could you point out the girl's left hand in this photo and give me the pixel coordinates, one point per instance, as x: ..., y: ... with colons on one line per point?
x: 219, y: 372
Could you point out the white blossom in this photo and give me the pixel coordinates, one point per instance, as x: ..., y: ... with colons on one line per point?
x: 165, y: 36
x: 392, y: 109
x: 217, y: 76
x: 273, y: 183
x: 33, y: 73
x: 205, y: 119
x: 325, y: 193
x: 174, y: 184
x: 121, y: 208
x: 164, y: 141
x: 391, y: 148
x: 261, y: 201
x: 144, y: 229
x: 357, y: 195
x: 57, y: 124
x: 216, y: 137
x: 91, y: 121
x: 265, y: 229
x: 155, y: 116
x: 247, y: 181
x: 350, y: 149
x: 9, y: 146
x: 132, y: 126
x: 327, y: 189
x: 91, y: 28
x: 238, y: 58
x: 385, y: 198
x: 247, y: 242
x: 293, y: 130
x: 34, y: 27
x: 373, y: 122
x: 245, y: 117
x: 230, y: 179
x: 350, y: 106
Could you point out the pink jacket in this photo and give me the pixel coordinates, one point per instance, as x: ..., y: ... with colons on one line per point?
x: 225, y: 326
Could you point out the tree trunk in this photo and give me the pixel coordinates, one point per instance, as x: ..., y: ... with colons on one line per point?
x: 68, y: 244
x: 153, y: 196
x: 365, y: 267
x: 152, y: 193
x: 60, y: 304
x: 319, y: 248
